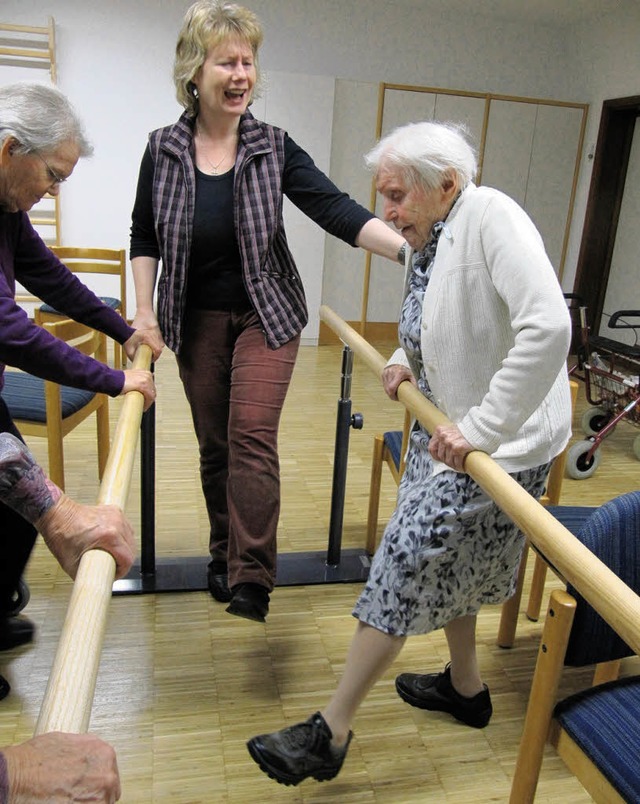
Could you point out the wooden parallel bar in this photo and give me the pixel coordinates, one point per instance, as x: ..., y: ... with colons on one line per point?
x: 69, y: 694
x: 608, y: 595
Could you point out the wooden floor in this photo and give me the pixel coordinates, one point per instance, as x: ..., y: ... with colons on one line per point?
x: 183, y: 684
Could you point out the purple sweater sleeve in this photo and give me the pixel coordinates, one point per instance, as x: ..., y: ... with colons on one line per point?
x: 25, y: 258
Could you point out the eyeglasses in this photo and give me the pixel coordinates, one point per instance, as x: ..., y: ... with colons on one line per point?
x: 55, y: 178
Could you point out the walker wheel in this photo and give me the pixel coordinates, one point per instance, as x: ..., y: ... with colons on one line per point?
x: 594, y: 420
x: 579, y: 467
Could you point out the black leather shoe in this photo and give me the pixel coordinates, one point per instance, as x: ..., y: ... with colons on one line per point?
x: 249, y: 600
x: 15, y: 631
x: 5, y: 687
x: 291, y: 755
x: 435, y: 692
x: 218, y: 582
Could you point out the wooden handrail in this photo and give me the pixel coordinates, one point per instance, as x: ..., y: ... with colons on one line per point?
x: 72, y: 681
x: 610, y: 597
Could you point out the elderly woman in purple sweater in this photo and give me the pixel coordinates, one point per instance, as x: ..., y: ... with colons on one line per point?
x: 41, y: 140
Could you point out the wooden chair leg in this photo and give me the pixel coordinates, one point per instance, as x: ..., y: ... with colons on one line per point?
x: 543, y: 695
x: 537, y: 589
x: 102, y: 424
x: 374, y: 495
x: 56, y: 459
x: 118, y: 356
x: 511, y: 607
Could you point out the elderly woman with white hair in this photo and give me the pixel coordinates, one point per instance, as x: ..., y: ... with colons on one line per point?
x: 484, y: 334
x: 41, y: 140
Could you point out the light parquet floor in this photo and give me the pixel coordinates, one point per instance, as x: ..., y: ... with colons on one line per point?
x: 182, y: 684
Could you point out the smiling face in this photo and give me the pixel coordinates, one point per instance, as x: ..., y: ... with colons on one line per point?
x: 26, y: 178
x: 411, y: 208
x: 226, y: 80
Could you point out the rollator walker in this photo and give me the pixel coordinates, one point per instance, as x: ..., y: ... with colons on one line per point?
x: 611, y: 373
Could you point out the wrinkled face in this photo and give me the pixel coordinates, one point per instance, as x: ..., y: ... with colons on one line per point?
x: 26, y: 178
x: 226, y: 80
x: 412, y: 210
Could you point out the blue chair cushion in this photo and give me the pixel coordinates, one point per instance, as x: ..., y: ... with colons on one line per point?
x: 108, y: 300
x: 24, y: 396
x: 393, y: 442
x: 572, y: 517
x: 611, y: 534
x: 605, y: 722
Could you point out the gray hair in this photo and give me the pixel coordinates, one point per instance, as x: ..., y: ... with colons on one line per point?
x: 40, y: 118
x: 425, y: 152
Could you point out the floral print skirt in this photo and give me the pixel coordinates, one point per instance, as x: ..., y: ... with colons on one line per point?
x: 447, y: 550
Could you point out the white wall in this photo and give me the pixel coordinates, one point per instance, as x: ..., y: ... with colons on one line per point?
x: 115, y: 59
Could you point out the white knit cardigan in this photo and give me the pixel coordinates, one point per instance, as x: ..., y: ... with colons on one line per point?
x: 496, y: 332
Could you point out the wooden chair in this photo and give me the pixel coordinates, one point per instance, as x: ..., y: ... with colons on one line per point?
x: 44, y: 408
x: 99, y: 261
x: 389, y: 448
x: 551, y: 497
x: 596, y: 731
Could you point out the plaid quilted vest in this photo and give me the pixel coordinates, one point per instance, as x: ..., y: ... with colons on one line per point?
x: 270, y: 274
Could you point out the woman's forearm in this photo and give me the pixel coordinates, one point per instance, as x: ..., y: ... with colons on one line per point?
x: 379, y: 238
x: 145, y: 270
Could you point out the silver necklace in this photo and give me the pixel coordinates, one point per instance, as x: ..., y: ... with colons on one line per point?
x: 214, y: 168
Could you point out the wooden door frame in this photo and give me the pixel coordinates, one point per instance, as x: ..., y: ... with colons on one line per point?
x: 611, y: 160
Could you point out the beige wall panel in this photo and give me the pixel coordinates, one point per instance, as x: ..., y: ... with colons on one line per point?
x: 355, y: 113
x: 462, y: 109
x: 406, y: 106
x: 623, y: 287
x: 553, y: 161
x: 507, y: 154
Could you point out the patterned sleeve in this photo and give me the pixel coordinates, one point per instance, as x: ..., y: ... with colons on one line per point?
x: 23, y: 485
x: 4, y: 780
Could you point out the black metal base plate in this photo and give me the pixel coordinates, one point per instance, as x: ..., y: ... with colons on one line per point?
x: 189, y: 574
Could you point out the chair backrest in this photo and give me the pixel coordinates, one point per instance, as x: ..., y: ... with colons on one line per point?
x: 80, y: 336
x: 612, y: 533
x: 106, y: 261
x: 46, y: 409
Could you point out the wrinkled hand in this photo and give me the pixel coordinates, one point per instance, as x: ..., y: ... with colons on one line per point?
x: 447, y: 444
x: 140, y: 380
x: 58, y: 767
x: 392, y: 376
x: 69, y: 529
x: 150, y: 335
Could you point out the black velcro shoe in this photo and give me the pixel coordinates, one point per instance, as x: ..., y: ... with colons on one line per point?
x: 218, y: 582
x: 293, y: 754
x: 5, y: 687
x: 435, y: 692
x: 249, y: 600
x: 15, y: 631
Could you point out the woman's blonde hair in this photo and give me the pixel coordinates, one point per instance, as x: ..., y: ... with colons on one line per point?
x: 206, y: 24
